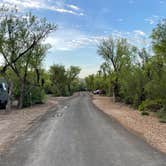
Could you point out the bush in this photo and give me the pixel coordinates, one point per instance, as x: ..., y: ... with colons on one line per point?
x: 145, y: 113
x: 163, y: 120
x: 162, y: 115
x: 34, y: 95
x: 151, y: 105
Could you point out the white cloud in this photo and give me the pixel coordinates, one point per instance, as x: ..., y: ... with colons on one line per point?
x: 67, y: 40
x: 139, y: 32
x: 135, y: 37
x: 57, y: 6
x: 71, y: 39
x: 154, y: 19
x: 150, y: 21
x: 61, y: 10
x: 74, y: 7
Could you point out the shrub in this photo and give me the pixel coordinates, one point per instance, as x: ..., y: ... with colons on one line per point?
x: 163, y: 120
x: 162, y: 115
x: 34, y: 95
x: 145, y: 113
x: 151, y: 105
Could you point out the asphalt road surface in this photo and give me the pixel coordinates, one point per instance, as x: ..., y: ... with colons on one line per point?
x: 78, y: 134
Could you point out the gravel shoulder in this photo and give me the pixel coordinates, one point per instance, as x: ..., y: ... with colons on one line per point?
x: 148, y: 127
x: 16, y: 122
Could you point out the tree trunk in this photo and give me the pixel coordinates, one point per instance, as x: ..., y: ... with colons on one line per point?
x: 9, y: 101
x: 69, y: 89
x: 113, y: 95
x: 116, y: 87
x: 21, y: 97
x: 37, y: 76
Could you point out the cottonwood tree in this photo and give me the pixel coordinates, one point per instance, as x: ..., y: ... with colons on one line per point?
x: 64, y: 82
x: 30, y: 63
x: 90, y: 84
x: 19, y: 36
x: 72, y: 74
x: 115, y: 52
x: 58, y: 78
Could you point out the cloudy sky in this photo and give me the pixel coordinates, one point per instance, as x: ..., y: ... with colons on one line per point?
x: 83, y: 23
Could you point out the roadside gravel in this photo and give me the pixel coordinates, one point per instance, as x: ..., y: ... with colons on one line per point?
x: 15, y: 123
x: 148, y: 127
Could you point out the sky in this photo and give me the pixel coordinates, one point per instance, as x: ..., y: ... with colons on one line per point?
x: 82, y: 24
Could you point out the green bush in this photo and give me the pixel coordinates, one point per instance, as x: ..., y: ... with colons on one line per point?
x: 34, y: 95
x: 145, y: 113
x: 162, y: 120
x: 162, y: 115
x: 151, y: 105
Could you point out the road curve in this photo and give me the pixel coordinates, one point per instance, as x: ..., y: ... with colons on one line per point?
x: 78, y: 134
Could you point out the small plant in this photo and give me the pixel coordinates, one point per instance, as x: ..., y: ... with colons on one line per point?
x: 162, y: 120
x: 162, y: 115
x: 151, y: 105
x: 145, y: 113
x: 34, y: 95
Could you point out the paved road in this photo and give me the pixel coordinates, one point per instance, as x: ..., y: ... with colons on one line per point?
x: 78, y: 134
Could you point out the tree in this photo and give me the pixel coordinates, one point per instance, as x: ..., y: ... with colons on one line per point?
x: 64, y: 82
x: 28, y: 64
x: 19, y: 37
x: 159, y: 39
x: 58, y: 78
x: 115, y: 52
x: 72, y: 75
x: 90, y: 82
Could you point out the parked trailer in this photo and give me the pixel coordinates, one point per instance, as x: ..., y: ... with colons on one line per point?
x: 3, y: 93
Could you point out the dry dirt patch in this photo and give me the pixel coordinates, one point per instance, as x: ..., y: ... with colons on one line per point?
x: 146, y: 126
x: 17, y: 121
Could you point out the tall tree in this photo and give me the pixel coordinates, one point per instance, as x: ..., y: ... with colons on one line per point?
x: 58, y: 78
x: 115, y: 52
x: 19, y: 36
x: 159, y: 39
x: 72, y: 74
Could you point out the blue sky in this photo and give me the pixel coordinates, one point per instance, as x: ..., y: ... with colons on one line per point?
x: 82, y: 24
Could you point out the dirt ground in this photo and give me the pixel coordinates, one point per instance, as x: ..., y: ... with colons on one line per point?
x: 13, y: 124
x: 147, y: 127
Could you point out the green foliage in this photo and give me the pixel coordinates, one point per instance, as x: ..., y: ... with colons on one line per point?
x: 72, y: 78
x: 34, y: 95
x: 151, y: 105
x: 116, y: 53
x: 145, y: 113
x: 136, y: 76
x: 21, y: 48
x: 58, y: 79
x: 156, y: 87
x: 159, y: 39
x: 163, y: 120
x: 64, y: 82
x: 162, y: 114
x: 132, y: 83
